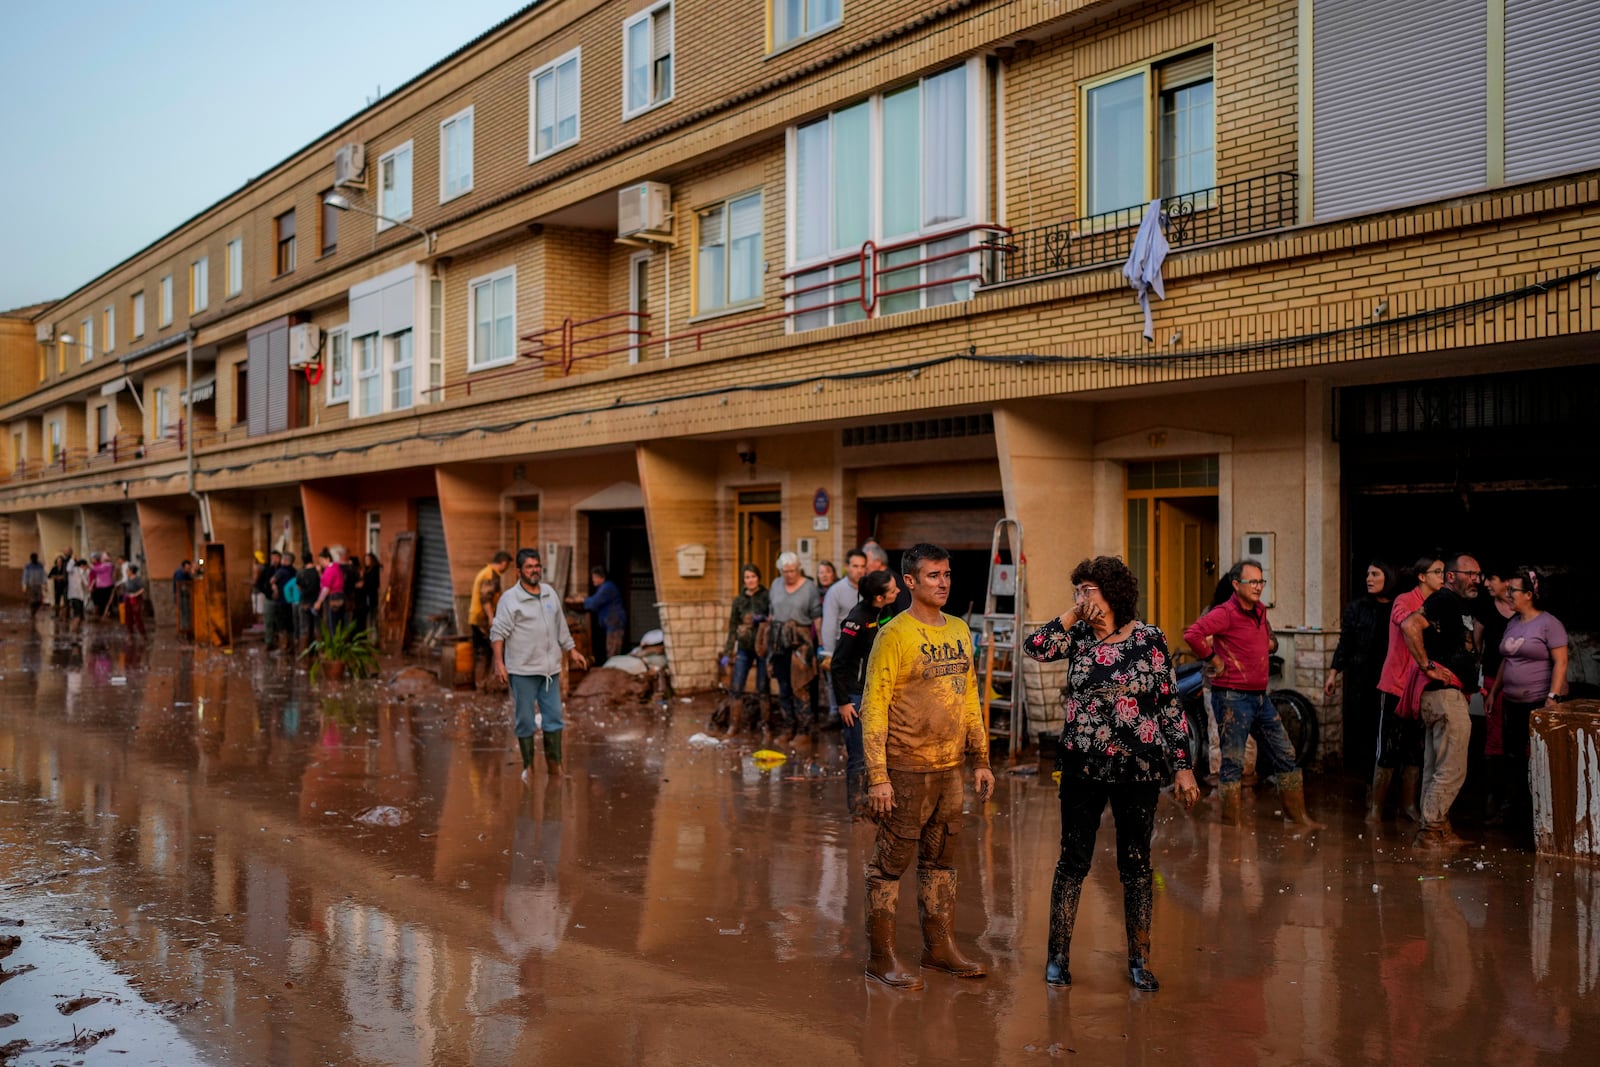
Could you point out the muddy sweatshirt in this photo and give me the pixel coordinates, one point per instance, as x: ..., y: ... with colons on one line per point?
x: 920, y: 710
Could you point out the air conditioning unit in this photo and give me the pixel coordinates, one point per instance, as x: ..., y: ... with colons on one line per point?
x: 305, y: 344
x: 350, y: 166
x: 644, y: 209
x: 44, y: 331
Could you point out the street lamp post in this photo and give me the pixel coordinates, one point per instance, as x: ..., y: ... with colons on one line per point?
x: 340, y: 202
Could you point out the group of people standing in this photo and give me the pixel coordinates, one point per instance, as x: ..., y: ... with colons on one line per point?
x: 89, y: 588
x: 300, y: 598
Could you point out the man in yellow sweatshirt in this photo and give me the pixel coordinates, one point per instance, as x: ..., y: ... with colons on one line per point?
x: 920, y: 719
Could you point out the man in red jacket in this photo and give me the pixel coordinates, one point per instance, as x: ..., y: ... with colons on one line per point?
x: 1235, y: 639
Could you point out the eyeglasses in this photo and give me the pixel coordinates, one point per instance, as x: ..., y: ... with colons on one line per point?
x: 1079, y: 592
x: 1469, y: 574
x: 1256, y: 582
x: 1434, y: 570
x: 1517, y: 589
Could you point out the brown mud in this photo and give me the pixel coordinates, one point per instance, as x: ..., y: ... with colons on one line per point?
x: 205, y: 860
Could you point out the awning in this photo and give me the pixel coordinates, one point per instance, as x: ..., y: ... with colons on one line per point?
x: 205, y: 387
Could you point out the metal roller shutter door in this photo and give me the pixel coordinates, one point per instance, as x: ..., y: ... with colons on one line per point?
x: 1400, y: 102
x: 961, y: 526
x: 1552, y: 87
x: 433, y: 593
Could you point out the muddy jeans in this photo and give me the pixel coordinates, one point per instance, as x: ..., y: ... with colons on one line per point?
x: 925, y: 816
x: 1448, y: 722
x: 1242, y: 715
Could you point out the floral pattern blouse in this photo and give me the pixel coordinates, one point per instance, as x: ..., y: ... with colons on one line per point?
x: 1123, y: 719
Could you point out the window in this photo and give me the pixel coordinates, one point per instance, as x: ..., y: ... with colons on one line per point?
x: 86, y: 341
x: 394, y: 185
x: 374, y: 531
x: 493, y: 309
x: 647, y: 59
x: 435, y: 339
x: 338, y: 366
x: 455, y: 155
x: 728, y: 254
x: 369, y: 396
x: 330, y: 224
x: 102, y: 428
x: 199, y: 284
x: 928, y: 180
x: 553, y: 103
x: 138, y: 313
x: 241, y: 394
x: 54, y: 429
x: 397, y: 352
x: 235, y: 266
x: 163, y: 413
x: 1174, y: 99
x: 283, y: 228
x: 166, y: 301
x: 794, y: 19
x: 108, y: 326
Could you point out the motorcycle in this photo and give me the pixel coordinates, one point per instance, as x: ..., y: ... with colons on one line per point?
x: 1298, y: 714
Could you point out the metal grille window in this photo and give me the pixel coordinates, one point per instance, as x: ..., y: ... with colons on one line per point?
x: 892, y: 433
x: 1524, y: 400
x: 647, y: 59
x: 554, y: 102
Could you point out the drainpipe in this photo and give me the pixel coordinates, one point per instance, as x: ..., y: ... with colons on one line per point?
x: 201, y: 503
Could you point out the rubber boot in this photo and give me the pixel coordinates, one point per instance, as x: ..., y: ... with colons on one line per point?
x: 552, y: 751
x: 1382, y: 779
x: 1064, y: 894
x: 1138, y: 899
x: 1411, y: 793
x: 527, y: 746
x: 1232, y: 797
x: 936, y: 905
x: 1292, y: 791
x: 883, y: 897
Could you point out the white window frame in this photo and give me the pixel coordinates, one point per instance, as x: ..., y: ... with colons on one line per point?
x: 235, y: 266
x: 553, y: 68
x: 976, y: 183
x: 649, y: 13
x: 366, y: 383
x: 53, y: 436
x: 778, y: 43
x: 374, y: 531
x: 339, y: 392
x: 488, y: 281
x: 393, y: 365
x: 108, y: 325
x: 465, y: 114
x: 86, y: 350
x: 199, y: 285
x: 138, y: 314
x: 383, y: 208
x: 162, y: 412
x: 166, y: 301
x: 702, y: 309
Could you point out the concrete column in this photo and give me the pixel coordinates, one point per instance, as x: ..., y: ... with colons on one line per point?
x: 680, y: 494
x: 164, y: 528
x: 1322, y: 564
x: 58, y: 529
x: 331, y: 515
x: 469, y: 501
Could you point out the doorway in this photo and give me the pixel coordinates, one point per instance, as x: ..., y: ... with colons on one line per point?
x: 759, y: 520
x: 961, y: 525
x: 639, y: 298
x: 525, y: 524
x: 619, y: 542
x: 1173, y: 546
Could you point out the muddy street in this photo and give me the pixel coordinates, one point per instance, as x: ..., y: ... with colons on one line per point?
x: 203, y: 859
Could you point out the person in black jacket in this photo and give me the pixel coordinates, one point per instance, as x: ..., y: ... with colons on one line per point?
x: 859, y: 630
x: 1359, y: 657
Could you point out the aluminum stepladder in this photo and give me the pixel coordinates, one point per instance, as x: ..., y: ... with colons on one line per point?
x: 1002, y: 638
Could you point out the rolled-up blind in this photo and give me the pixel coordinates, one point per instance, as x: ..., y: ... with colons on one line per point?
x: 1552, y: 87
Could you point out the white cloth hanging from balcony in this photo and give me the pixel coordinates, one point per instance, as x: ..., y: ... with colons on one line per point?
x: 1143, y: 269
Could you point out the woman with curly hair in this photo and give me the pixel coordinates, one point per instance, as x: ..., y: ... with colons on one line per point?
x: 1124, y: 735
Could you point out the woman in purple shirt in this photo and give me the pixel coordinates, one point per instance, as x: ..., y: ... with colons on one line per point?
x: 1533, y: 674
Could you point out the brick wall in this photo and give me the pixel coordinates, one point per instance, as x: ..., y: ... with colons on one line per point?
x: 695, y: 631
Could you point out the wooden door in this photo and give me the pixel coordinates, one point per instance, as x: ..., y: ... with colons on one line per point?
x: 525, y: 526
x: 212, y: 624
x: 396, y: 610
x: 1186, y: 561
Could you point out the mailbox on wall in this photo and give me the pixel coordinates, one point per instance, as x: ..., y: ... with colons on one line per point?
x: 691, y: 561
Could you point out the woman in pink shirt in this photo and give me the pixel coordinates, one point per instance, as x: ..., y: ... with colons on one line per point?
x: 1400, y: 727
x: 104, y: 576
x: 331, y: 600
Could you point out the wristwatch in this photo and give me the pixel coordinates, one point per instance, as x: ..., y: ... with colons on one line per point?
x: 1557, y: 697
x: 1428, y: 666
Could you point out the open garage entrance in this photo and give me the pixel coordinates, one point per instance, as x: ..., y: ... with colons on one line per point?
x: 962, y: 525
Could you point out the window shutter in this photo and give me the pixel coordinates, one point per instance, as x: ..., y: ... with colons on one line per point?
x: 1552, y: 88
x: 661, y: 33
x: 1400, y: 104
x: 1185, y: 70
x: 255, y: 383
x: 744, y: 218
x: 566, y: 79
x: 276, y: 381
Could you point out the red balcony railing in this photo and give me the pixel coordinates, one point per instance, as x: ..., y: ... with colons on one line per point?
x: 123, y: 448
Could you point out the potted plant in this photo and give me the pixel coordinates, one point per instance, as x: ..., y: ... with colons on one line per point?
x: 344, y: 649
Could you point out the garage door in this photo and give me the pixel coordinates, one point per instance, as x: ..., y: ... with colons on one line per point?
x: 953, y: 523
x: 433, y: 593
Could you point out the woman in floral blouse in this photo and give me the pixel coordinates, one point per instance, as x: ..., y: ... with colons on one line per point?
x: 1124, y: 736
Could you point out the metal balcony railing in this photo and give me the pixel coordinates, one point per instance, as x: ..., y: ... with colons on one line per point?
x: 1254, y: 205
x: 121, y: 449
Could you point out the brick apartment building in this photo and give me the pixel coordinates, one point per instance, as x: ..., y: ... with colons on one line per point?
x: 629, y: 277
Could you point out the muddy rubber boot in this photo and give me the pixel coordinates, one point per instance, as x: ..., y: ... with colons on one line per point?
x: 527, y: 746
x: 1064, y: 894
x: 1382, y: 779
x: 1232, y: 794
x: 1292, y: 791
x: 882, y: 900
x: 552, y: 751
x: 936, y: 905
x: 1138, y: 899
x: 1411, y: 793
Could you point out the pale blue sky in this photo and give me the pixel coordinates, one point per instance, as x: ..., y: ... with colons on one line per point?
x: 121, y: 120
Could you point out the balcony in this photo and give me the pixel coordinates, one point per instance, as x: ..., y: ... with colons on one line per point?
x: 120, y: 450
x: 1255, y: 205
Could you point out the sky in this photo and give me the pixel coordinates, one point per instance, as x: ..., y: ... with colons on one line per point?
x: 118, y: 121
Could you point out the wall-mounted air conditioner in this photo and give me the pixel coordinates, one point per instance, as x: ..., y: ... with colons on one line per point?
x: 644, y: 209
x: 45, y: 331
x: 305, y: 344
x: 350, y: 166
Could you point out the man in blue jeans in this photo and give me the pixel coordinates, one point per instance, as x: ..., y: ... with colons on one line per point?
x: 1236, y: 640
x: 529, y: 636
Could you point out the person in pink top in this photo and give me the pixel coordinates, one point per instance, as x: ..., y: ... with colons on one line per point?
x: 1236, y: 641
x: 331, y: 600
x: 1399, y: 726
x: 104, y: 575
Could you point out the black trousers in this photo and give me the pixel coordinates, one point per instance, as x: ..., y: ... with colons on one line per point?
x: 1133, y: 806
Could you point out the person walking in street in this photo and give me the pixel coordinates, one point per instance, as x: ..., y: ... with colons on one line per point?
x: 133, y: 590
x: 261, y: 586
x: 847, y: 676
x: 920, y: 722
x: 796, y: 605
x: 1400, y: 716
x: 279, y: 616
x: 33, y: 579
x: 1235, y: 638
x: 1532, y: 675
x: 480, y: 614
x: 1442, y: 637
x: 80, y: 586
x: 1124, y: 735
x: 750, y: 611
x: 58, y: 586
x: 1358, y: 658
x: 529, y: 636
x: 606, y: 602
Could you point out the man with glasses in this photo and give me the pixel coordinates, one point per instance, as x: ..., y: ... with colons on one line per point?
x: 528, y: 640
x: 1444, y: 638
x: 1235, y: 640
